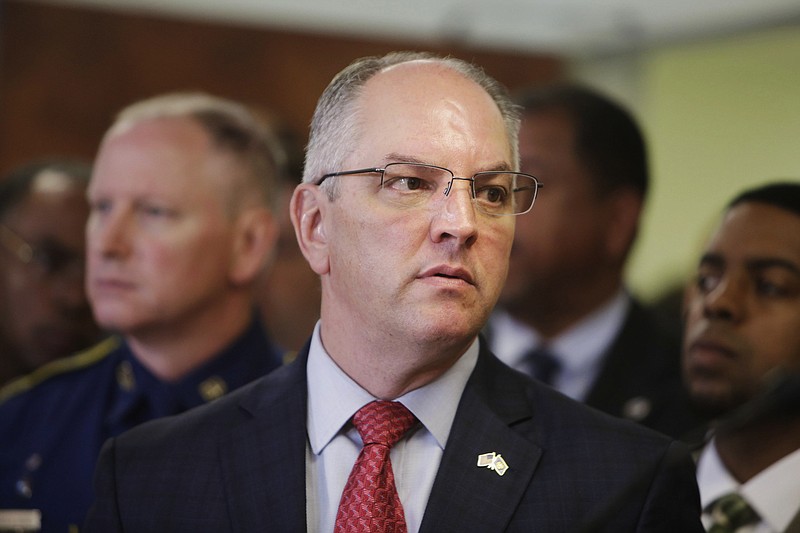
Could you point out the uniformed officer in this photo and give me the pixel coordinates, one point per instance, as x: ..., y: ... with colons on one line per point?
x: 180, y: 227
x: 44, y: 311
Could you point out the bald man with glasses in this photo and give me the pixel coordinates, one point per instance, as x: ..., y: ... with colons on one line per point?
x: 396, y: 416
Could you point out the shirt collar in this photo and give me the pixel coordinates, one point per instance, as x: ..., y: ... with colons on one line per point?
x: 581, y: 346
x: 333, y: 397
x: 585, y: 343
x: 774, y: 493
x: 246, y: 358
x: 713, y: 478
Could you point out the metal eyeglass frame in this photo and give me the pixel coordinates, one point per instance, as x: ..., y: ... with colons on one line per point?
x: 453, y: 177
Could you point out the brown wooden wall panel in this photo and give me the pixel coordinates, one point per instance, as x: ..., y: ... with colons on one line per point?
x: 64, y: 72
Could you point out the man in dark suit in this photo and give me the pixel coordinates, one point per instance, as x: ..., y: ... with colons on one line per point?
x: 565, y: 315
x: 741, y: 361
x: 412, y: 257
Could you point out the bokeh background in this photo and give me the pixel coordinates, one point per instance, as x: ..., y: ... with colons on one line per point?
x: 715, y: 84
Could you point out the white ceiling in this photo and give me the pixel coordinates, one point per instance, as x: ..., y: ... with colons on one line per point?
x: 572, y: 28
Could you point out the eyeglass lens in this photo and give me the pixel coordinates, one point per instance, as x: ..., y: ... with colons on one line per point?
x: 494, y: 193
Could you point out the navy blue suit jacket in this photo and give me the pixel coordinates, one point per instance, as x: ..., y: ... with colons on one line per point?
x: 238, y: 465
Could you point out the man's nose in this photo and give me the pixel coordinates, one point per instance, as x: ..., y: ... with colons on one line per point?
x: 726, y: 301
x: 455, y: 216
x: 109, y: 234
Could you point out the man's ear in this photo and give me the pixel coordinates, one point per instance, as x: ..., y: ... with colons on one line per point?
x: 254, y: 242
x: 625, y: 207
x: 307, y: 210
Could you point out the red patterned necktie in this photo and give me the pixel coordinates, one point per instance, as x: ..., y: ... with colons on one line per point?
x: 370, y: 503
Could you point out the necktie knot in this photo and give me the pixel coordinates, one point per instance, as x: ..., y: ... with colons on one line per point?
x: 543, y: 364
x: 383, y: 422
x: 731, y: 512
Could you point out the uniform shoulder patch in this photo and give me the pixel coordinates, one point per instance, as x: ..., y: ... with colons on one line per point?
x: 58, y: 367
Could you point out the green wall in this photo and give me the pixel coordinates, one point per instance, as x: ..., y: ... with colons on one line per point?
x: 720, y: 115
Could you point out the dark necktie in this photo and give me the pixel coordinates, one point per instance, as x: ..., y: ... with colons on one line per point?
x: 542, y: 364
x: 370, y: 503
x: 731, y: 512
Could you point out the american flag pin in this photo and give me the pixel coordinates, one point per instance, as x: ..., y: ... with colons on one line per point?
x: 493, y: 461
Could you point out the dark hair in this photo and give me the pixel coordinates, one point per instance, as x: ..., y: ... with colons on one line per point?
x: 16, y: 185
x: 608, y: 141
x: 785, y: 195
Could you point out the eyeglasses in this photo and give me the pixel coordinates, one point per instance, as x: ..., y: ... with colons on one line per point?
x: 50, y: 260
x: 495, y: 193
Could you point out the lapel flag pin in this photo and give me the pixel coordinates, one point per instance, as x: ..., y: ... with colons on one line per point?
x: 493, y: 461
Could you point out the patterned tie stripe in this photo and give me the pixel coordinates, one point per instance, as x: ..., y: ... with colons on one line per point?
x: 730, y: 513
x: 370, y: 503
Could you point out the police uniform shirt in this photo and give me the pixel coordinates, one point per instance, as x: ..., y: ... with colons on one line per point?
x: 54, y: 421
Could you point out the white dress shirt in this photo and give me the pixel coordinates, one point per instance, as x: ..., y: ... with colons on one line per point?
x: 580, y: 349
x: 774, y: 493
x: 334, y: 445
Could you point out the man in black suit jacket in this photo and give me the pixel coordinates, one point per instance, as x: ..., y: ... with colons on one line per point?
x: 565, y: 289
x: 412, y: 257
x: 741, y: 359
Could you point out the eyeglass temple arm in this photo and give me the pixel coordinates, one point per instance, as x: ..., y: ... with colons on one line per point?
x: 15, y: 244
x: 538, y: 186
x: 350, y: 173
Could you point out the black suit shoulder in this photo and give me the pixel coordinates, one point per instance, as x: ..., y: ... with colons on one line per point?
x: 570, y: 466
x: 186, y: 472
x: 217, y: 417
x: 640, y: 379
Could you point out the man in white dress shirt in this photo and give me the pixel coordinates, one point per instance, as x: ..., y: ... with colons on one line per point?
x: 565, y: 288
x: 742, y: 357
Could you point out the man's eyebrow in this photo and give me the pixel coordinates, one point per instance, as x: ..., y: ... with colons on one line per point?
x: 755, y: 263
x: 395, y: 157
x: 503, y: 167
x: 711, y: 259
x: 763, y: 263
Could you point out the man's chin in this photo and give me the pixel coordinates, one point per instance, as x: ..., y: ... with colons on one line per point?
x: 448, y: 330
x: 116, y: 322
x: 714, y: 403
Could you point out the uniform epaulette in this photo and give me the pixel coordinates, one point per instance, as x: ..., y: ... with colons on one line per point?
x: 60, y: 366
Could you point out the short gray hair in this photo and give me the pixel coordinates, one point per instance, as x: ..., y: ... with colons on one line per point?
x: 231, y: 126
x: 334, y: 126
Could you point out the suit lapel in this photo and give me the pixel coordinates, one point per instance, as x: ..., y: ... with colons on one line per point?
x: 263, y: 459
x: 466, y: 497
